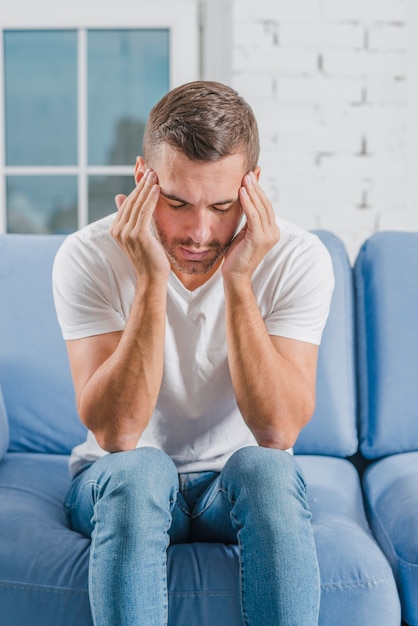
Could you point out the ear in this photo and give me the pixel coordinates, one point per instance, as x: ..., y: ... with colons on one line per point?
x: 140, y: 168
x: 257, y: 172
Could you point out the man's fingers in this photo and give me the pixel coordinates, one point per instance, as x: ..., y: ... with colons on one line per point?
x: 261, y: 205
x: 131, y: 208
x: 146, y: 201
x: 119, y: 200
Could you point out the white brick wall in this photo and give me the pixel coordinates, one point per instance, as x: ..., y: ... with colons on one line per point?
x: 328, y: 82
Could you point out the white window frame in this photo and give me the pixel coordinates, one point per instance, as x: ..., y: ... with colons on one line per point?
x: 180, y: 17
x: 217, y: 37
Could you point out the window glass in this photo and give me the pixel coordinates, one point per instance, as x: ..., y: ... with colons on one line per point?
x: 41, y: 97
x: 102, y: 192
x: 128, y: 72
x: 41, y: 204
x: 58, y: 84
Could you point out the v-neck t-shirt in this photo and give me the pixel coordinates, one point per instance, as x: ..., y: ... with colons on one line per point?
x: 196, y: 420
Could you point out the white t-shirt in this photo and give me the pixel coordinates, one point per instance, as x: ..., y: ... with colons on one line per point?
x: 196, y: 420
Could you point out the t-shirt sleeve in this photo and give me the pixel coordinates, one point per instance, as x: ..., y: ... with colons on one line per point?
x: 302, y: 299
x: 82, y: 286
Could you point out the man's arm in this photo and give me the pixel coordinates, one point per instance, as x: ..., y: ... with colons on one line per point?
x: 117, y: 376
x: 273, y: 377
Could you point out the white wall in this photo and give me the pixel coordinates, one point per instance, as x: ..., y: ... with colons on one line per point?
x: 334, y: 86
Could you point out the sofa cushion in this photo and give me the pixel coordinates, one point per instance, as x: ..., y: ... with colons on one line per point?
x: 4, y: 427
x: 357, y: 583
x: 391, y: 491
x: 386, y: 274
x: 332, y: 429
x: 43, y: 564
x: 34, y: 370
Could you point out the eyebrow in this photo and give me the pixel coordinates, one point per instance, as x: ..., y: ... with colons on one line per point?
x: 169, y: 196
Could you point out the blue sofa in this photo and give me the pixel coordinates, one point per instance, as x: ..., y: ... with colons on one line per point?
x: 359, y: 453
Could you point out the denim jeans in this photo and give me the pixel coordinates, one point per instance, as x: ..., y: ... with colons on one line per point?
x: 133, y: 504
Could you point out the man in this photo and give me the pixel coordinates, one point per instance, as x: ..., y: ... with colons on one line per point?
x: 192, y: 321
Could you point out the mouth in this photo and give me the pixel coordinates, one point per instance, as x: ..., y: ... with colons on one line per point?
x: 191, y: 254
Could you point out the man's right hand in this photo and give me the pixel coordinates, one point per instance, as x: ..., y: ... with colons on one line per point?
x: 133, y: 231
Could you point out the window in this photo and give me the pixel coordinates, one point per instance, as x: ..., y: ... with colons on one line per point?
x: 76, y: 94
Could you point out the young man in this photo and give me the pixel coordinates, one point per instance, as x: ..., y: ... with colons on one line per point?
x: 192, y: 319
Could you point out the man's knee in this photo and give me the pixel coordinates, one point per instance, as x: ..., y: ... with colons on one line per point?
x: 265, y: 486
x: 143, y: 469
x: 254, y: 459
x: 262, y: 469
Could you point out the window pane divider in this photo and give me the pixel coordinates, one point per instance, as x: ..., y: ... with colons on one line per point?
x: 111, y: 170
x: 68, y: 170
x: 41, y: 170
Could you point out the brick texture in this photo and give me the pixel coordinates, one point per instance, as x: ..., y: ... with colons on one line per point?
x: 328, y: 82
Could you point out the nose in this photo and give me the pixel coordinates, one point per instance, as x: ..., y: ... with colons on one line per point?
x: 199, y: 225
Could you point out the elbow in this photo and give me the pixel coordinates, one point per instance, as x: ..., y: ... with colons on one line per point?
x: 110, y: 433
x: 110, y: 439
x: 278, y: 440
x: 283, y: 433
x: 113, y: 444
x: 278, y: 436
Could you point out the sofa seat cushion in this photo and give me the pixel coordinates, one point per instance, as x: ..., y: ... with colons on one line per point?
x: 43, y: 564
x: 390, y: 487
x: 357, y: 583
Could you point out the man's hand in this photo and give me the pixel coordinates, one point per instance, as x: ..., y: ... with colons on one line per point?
x: 132, y: 229
x: 257, y: 237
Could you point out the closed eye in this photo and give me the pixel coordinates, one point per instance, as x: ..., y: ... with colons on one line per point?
x: 218, y: 209
x: 223, y: 207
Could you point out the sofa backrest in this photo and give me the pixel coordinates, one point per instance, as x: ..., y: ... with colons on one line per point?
x: 332, y: 430
x: 386, y: 284
x: 34, y: 372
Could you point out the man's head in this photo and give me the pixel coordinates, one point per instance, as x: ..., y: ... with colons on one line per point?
x: 200, y: 140
x: 205, y: 121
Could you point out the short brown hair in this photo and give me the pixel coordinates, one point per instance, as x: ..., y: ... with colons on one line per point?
x: 204, y: 120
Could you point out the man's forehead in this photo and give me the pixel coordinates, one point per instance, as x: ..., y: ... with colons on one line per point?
x: 191, y: 182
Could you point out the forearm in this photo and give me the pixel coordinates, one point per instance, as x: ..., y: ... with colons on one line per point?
x: 118, y: 400
x: 273, y: 395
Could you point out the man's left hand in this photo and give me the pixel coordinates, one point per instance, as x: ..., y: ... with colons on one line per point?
x: 257, y: 237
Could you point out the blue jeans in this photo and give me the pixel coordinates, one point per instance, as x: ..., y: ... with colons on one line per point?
x: 133, y: 504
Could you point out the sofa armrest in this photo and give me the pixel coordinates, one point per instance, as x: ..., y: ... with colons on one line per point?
x: 4, y: 428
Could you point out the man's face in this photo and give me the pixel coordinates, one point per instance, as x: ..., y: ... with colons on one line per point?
x: 198, y: 211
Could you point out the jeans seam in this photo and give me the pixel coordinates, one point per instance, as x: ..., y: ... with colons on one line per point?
x: 211, y: 501
x: 182, y: 508
x: 74, y: 504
